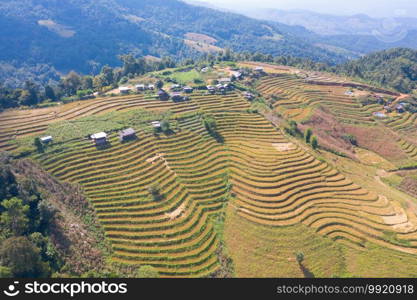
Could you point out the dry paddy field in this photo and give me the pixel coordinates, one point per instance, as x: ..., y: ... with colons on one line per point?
x: 279, y: 198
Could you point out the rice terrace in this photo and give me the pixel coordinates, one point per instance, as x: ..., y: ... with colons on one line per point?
x: 277, y: 172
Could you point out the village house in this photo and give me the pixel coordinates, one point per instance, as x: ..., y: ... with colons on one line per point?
x: 175, y: 87
x: 211, y: 89
x: 248, y: 96
x: 177, y: 96
x: 387, y: 109
x: 163, y: 95
x: 99, y: 138
x: 259, y: 69
x: 124, y: 90
x: 127, y: 134
x: 236, y: 74
x: 151, y: 87
x: 46, y: 139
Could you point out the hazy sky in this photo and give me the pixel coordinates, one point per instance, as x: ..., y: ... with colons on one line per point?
x: 375, y: 8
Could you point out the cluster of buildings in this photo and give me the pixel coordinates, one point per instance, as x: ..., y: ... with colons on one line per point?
x: 138, y: 87
x: 176, y: 93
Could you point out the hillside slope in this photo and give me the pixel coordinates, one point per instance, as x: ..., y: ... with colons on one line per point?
x: 225, y: 180
x: 396, y: 68
x: 86, y: 34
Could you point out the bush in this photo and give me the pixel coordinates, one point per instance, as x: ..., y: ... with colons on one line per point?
x: 38, y: 144
x: 165, y: 126
x: 211, y: 125
x: 5, y: 272
x: 351, y: 139
x: 314, y: 142
x: 307, y: 135
x: 155, y: 192
x: 300, y: 257
x: 293, y: 128
x: 147, y: 272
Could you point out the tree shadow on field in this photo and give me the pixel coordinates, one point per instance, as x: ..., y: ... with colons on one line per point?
x: 103, y: 146
x: 307, y: 273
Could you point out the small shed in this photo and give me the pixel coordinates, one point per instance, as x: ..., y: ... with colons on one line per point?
x: 124, y: 89
x: 259, y: 69
x: 46, y: 139
x: 175, y: 87
x: 237, y: 74
x: 99, y: 138
x: 127, y: 134
x: 156, y: 124
x: 151, y: 86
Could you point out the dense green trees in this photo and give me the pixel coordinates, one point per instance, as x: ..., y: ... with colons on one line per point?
x: 307, y: 135
x: 25, y: 248
x: 314, y: 142
x: 23, y: 258
x: 395, y: 68
x: 14, y: 217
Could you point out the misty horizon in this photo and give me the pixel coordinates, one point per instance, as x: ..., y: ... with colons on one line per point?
x: 375, y: 9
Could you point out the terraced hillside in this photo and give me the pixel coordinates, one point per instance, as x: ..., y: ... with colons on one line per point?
x: 161, y: 197
x: 295, y: 93
x: 15, y: 124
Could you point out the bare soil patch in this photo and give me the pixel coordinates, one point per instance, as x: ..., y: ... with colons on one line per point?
x: 199, y: 37
x: 176, y: 213
x: 282, y: 147
x: 329, y: 131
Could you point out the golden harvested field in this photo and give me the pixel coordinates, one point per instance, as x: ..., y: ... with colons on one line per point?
x: 278, y: 196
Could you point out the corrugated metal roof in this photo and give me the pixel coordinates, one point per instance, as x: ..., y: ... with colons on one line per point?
x: 99, y: 135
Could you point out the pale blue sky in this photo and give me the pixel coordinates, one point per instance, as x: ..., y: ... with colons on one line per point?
x: 375, y: 8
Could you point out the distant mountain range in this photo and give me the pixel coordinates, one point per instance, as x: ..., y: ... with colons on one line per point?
x: 40, y: 39
x: 325, y: 24
x: 84, y: 35
x: 351, y: 36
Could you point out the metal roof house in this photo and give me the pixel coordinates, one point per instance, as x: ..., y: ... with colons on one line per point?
x: 177, y: 96
x: 163, y: 95
x: 237, y: 74
x: 124, y: 89
x: 400, y: 108
x: 127, y: 134
x: 151, y: 86
x: 248, y: 95
x: 140, y: 87
x: 46, y: 139
x: 99, y: 138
